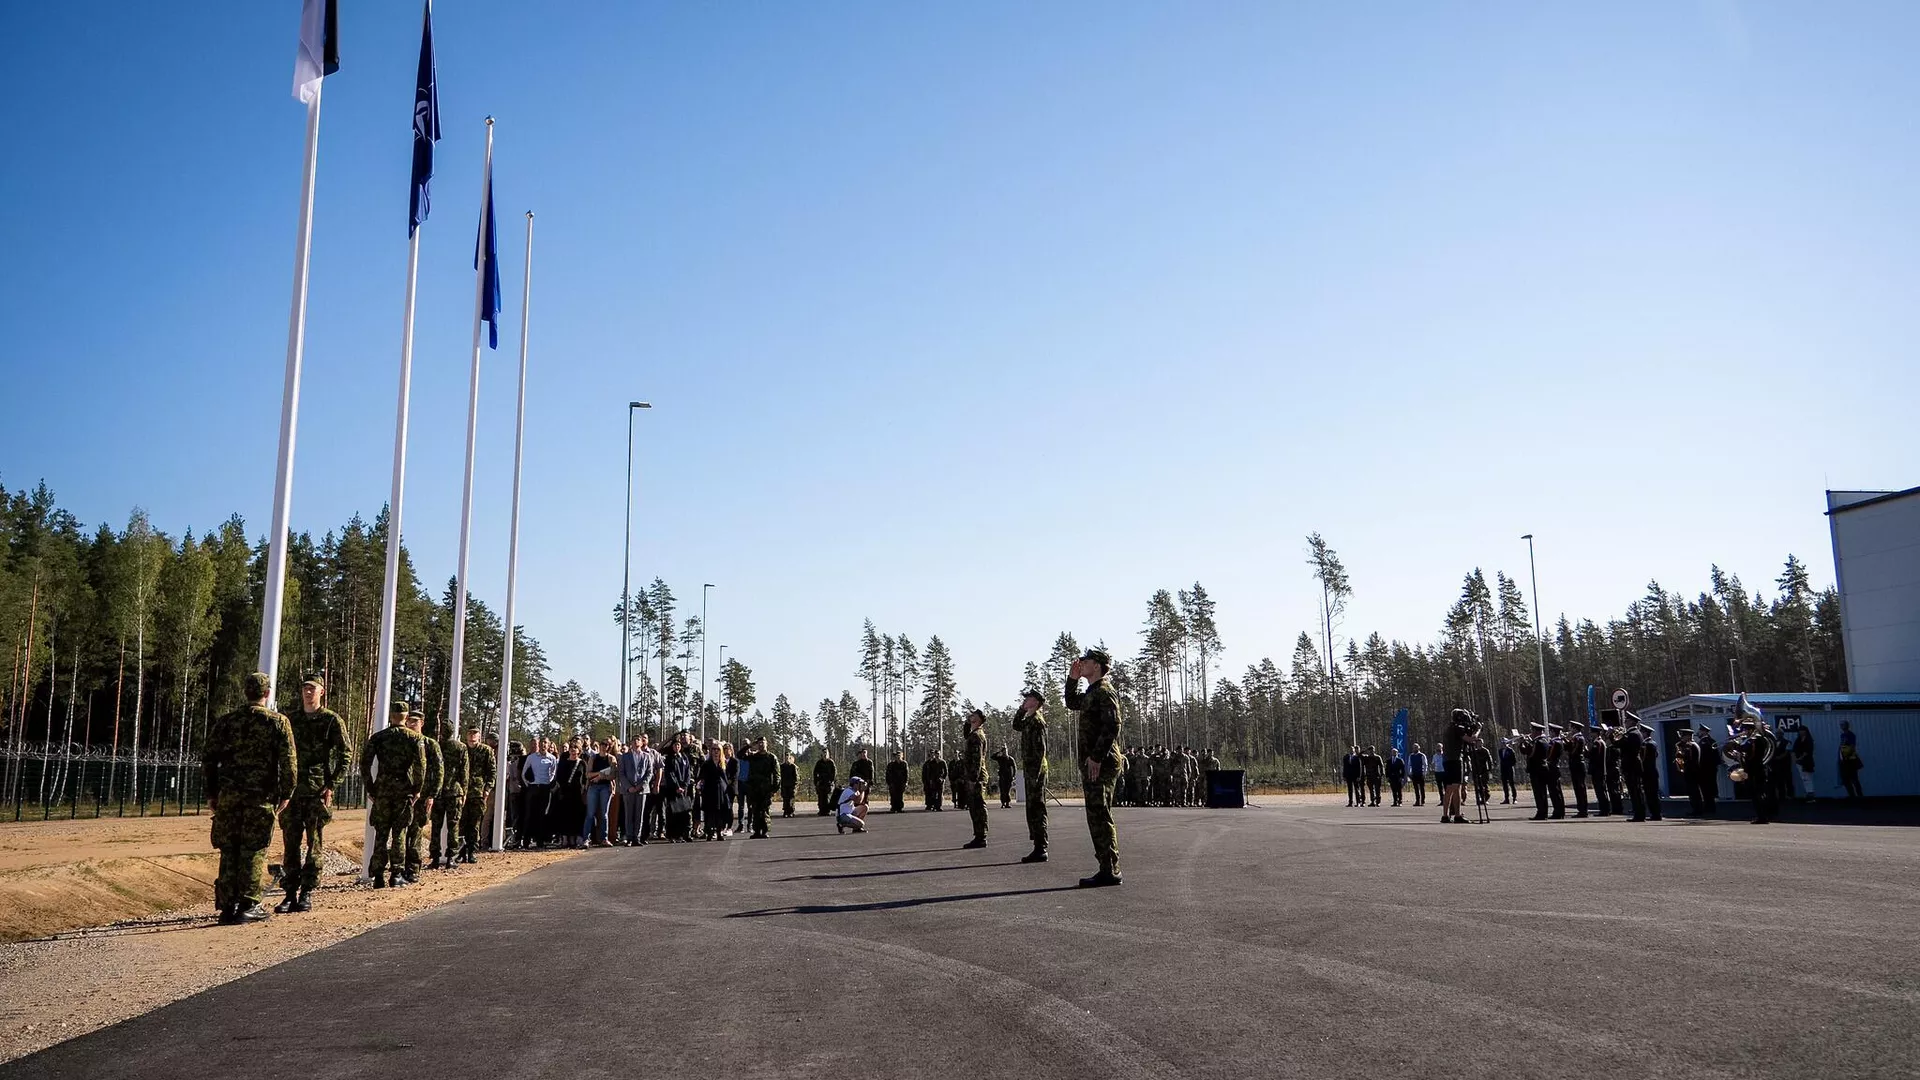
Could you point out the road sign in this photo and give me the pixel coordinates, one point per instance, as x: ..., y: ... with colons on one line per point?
x: 1620, y: 699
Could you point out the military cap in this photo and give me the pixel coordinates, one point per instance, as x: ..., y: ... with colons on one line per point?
x: 314, y: 679
x: 257, y: 686
x: 398, y: 708
x: 1099, y: 656
x: 1030, y: 692
x: 1537, y: 726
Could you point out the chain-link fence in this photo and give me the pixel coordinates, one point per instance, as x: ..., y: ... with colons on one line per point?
x: 44, y: 783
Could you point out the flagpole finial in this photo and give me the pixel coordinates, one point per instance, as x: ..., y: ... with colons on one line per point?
x: 489, y: 121
x: 529, y: 215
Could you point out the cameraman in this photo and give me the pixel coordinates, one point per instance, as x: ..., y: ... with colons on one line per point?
x: 1454, y: 744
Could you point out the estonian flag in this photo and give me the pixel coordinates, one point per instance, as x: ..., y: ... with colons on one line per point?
x: 487, y: 260
x: 426, y: 125
x: 319, y: 54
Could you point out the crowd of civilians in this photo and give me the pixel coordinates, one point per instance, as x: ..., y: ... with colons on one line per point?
x: 577, y: 794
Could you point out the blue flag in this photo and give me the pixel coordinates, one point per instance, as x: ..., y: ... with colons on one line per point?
x: 1590, y: 713
x: 1400, y: 732
x: 426, y: 126
x: 486, y: 259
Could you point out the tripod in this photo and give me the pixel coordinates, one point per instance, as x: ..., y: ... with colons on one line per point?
x: 1480, y: 797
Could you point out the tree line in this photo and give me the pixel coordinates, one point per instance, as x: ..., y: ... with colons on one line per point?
x: 122, y: 643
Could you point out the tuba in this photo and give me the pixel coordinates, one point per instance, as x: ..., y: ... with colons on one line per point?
x: 1747, y: 725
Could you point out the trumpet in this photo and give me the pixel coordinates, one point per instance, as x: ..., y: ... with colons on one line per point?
x: 1523, y: 743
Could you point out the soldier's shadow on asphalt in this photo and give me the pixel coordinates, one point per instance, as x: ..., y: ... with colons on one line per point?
x: 893, y: 905
x: 862, y: 855
x: 894, y: 873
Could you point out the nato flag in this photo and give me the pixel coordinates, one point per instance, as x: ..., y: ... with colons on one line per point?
x: 426, y: 125
x: 486, y: 259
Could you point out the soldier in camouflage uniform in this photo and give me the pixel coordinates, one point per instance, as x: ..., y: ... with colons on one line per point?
x: 444, y: 832
x: 763, y: 776
x: 249, y: 768
x: 429, y: 790
x: 1099, y: 709
x: 1031, y: 724
x: 974, y: 763
x: 393, y: 766
x: 320, y: 747
x: 480, y: 769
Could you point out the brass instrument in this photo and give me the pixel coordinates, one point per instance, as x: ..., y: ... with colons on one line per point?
x: 1746, y: 726
x: 1522, y: 743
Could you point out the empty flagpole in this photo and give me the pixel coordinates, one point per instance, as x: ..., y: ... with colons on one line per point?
x: 318, y: 57
x: 513, y: 562
x: 481, y: 268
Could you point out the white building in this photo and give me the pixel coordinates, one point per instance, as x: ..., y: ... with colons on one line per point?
x: 1876, y: 562
x: 1886, y: 728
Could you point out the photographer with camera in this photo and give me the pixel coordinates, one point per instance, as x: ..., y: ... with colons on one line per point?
x: 1463, y: 729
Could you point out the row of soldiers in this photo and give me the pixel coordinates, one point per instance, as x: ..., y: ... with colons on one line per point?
x: 1163, y: 775
x: 261, y: 767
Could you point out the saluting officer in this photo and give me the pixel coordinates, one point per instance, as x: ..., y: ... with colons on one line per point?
x: 1099, y: 709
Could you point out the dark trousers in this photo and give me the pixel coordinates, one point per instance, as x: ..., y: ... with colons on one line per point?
x: 1603, y: 803
x: 1509, y: 792
x: 933, y: 795
x: 1850, y: 779
x: 825, y: 794
x: 1555, y: 796
x: 1398, y: 786
x: 1373, y: 790
x: 1579, y: 778
x: 1354, y: 795
x: 759, y: 809
x: 1006, y: 789
x: 1635, y: 798
x: 1539, y: 781
x: 896, y: 797
x: 1708, y: 785
x: 1696, y: 796
x: 633, y: 811
x: 1765, y: 801
x: 537, y: 830
x: 1419, y: 789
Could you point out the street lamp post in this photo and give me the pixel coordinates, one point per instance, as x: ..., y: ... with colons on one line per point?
x: 626, y: 584
x: 703, y: 652
x: 1539, y: 643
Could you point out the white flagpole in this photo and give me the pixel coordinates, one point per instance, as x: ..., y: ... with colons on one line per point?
x: 473, y: 427
x: 513, y: 563
x: 289, y: 409
x: 390, y: 588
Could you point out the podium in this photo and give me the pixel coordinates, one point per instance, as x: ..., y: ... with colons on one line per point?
x: 1226, y: 789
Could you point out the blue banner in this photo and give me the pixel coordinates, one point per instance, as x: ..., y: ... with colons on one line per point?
x: 1400, y: 732
x: 1590, y: 714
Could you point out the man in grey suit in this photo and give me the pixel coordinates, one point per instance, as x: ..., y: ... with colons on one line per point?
x: 634, y: 778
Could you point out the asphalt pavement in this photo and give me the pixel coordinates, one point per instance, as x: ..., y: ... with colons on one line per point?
x: 1302, y: 940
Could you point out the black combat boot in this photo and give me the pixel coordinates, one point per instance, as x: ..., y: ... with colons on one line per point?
x: 396, y: 879
x: 1038, y: 854
x: 976, y: 842
x: 304, y: 901
x: 286, y: 905
x: 226, y: 915
x: 1100, y: 880
x: 249, y: 912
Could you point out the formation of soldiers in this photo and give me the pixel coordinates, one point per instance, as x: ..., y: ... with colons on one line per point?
x: 261, y: 766
x: 1163, y: 775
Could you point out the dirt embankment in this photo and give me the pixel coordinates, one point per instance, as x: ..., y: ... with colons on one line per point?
x: 104, y: 920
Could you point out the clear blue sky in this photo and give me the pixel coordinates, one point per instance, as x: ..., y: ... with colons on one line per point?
x: 988, y: 319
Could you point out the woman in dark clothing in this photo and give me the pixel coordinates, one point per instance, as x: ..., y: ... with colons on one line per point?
x: 569, y: 807
x: 676, y: 791
x: 716, y: 795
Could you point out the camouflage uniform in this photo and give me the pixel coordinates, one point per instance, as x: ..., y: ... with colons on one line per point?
x: 447, y: 805
x: 1033, y: 761
x: 1099, y: 711
x: 423, y: 806
x: 1137, y: 770
x: 320, y: 748
x: 249, y: 767
x: 401, y: 760
x: 975, y: 764
x: 480, y: 770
